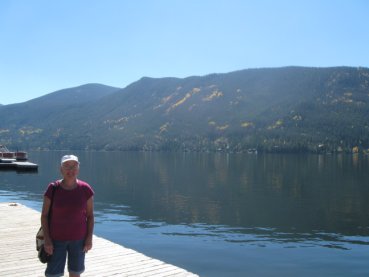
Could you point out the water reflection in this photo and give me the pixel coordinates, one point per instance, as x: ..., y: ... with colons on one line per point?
x: 294, y: 200
x: 165, y: 204
x: 288, y: 193
x: 258, y: 191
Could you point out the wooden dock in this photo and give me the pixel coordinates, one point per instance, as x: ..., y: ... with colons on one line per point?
x: 18, y: 227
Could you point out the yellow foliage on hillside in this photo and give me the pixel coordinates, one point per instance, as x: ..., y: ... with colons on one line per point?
x: 29, y: 131
x: 277, y: 124
x: 222, y: 128
x: 164, y: 127
x: 215, y: 94
x: 184, y: 99
x: 247, y: 124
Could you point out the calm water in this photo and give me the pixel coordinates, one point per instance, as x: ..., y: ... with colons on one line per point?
x: 224, y: 215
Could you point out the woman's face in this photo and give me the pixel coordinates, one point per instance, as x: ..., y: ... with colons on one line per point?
x: 70, y: 170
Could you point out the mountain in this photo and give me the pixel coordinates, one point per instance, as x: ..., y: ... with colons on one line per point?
x: 42, y: 109
x: 271, y: 109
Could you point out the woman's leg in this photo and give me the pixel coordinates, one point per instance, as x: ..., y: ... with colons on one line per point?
x: 76, y: 258
x: 55, y: 267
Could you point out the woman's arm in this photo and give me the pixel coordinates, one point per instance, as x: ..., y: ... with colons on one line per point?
x: 45, y: 225
x: 90, y: 224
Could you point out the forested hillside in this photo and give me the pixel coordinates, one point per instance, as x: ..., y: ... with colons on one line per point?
x: 291, y: 109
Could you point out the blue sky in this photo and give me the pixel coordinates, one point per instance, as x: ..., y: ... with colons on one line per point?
x: 51, y: 45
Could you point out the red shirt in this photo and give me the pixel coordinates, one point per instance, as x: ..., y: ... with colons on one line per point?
x: 68, y: 216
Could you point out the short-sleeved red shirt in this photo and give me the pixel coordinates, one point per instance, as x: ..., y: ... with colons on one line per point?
x: 68, y: 217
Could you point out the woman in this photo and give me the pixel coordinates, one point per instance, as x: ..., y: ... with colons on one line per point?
x: 70, y: 202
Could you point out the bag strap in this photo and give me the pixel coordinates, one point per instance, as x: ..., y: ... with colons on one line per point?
x: 54, y: 186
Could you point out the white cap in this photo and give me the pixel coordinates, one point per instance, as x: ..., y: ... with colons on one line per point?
x: 69, y: 158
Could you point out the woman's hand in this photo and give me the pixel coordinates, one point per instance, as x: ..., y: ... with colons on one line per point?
x: 88, y: 244
x: 49, y: 248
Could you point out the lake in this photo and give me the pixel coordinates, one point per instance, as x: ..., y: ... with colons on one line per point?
x: 223, y: 214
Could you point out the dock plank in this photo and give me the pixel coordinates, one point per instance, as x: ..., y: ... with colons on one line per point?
x: 18, y: 227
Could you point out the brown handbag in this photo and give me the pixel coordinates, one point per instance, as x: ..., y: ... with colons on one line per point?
x: 40, y: 240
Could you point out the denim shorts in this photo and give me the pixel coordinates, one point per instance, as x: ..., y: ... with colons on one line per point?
x: 76, y: 258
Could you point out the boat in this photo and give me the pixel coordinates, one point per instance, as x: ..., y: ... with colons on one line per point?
x: 18, y: 155
x: 15, y: 160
